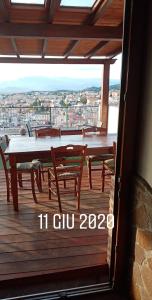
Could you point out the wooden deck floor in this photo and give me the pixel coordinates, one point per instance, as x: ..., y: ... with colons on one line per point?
x: 26, y: 250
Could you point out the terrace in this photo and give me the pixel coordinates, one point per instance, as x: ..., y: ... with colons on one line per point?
x: 67, y: 253
x: 81, y: 35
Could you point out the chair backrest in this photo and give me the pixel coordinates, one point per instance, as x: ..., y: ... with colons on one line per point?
x: 110, y: 149
x: 114, y: 153
x: 93, y: 130
x: 6, y: 139
x: 70, y: 156
x: 3, y: 145
x: 112, y: 161
x: 47, y: 132
x: 29, y: 129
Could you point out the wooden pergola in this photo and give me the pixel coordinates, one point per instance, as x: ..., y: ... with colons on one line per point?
x: 51, y: 33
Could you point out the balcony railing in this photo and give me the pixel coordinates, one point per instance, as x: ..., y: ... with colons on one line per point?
x: 13, y: 118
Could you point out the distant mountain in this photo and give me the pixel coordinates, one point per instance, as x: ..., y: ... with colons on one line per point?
x: 92, y: 89
x: 38, y: 83
x: 115, y: 86
x: 97, y: 89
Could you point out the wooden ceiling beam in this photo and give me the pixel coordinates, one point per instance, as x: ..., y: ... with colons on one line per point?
x: 45, y: 43
x: 4, y: 11
x: 56, y: 61
x: 94, y: 50
x: 53, y: 6
x: 98, y: 12
x: 15, y: 47
x: 89, y: 21
x: 70, y: 48
x: 50, y: 31
x: 102, y: 44
x: 115, y: 52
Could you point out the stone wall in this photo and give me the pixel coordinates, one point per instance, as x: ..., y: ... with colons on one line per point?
x: 111, y: 204
x: 141, y: 258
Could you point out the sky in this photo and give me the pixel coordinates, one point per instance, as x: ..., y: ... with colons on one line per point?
x: 28, y: 1
x: 87, y: 3
x: 16, y: 71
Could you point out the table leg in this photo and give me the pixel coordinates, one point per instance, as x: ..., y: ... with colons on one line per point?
x: 14, y: 188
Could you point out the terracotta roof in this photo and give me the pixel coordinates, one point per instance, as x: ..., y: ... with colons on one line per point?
x: 54, y: 30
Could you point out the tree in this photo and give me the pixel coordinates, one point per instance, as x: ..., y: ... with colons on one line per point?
x: 83, y: 99
x: 62, y: 103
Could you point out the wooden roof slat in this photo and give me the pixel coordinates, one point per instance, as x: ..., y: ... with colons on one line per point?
x: 93, y: 51
x: 98, y: 12
x: 56, y: 61
x: 45, y: 43
x: 54, y: 5
x: 90, y: 20
x: 84, y: 46
x: 15, y: 47
x: 51, y: 30
x: 42, y: 31
x: 116, y: 52
x: 4, y: 15
x: 56, y: 47
x: 70, y: 17
x: 109, y: 49
x: 113, y: 15
x: 101, y: 45
x: 71, y: 47
x: 29, y: 46
x: 6, y: 47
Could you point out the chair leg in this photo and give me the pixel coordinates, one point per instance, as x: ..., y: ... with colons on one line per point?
x: 75, y: 187
x: 8, y: 188
x: 38, y: 180
x: 64, y: 184
x: 8, y: 194
x: 20, y: 180
x: 90, y: 174
x: 49, y: 185
x: 42, y: 173
x: 33, y: 186
x: 103, y: 177
x: 58, y: 195
x: 78, y: 192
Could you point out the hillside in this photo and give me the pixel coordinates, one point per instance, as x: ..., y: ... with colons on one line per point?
x: 28, y: 84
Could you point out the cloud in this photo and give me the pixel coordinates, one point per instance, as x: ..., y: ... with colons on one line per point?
x: 16, y: 71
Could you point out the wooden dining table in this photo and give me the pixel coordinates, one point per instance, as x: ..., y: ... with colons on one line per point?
x: 25, y: 149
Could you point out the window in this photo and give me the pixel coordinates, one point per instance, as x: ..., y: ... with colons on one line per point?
x: 78, y: 3
x: 38, y: 2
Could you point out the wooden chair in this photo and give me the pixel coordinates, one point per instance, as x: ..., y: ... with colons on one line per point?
x: 88, y: 131
x: 32, y: 168
x: 31, y: 129
x: 42, y: 132
x: 67, y: 165
x: 93, y: 160
x: 109, y: 166
x: 47, y: 132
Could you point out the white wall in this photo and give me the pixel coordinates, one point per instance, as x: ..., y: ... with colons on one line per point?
x: 145, y: 146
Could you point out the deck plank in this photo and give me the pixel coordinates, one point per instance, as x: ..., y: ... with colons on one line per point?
x: 26, y: 250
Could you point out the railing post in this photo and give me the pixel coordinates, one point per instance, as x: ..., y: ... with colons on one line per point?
x: 105, y: 96
x: 50, y: 116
